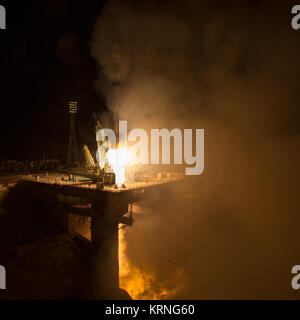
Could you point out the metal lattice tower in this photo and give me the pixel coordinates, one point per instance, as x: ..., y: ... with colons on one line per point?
x: 73, y: 159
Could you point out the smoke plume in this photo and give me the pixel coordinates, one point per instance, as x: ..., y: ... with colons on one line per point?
x: 230, y: 68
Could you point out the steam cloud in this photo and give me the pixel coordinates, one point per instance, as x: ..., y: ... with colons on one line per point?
x: 230, y: 68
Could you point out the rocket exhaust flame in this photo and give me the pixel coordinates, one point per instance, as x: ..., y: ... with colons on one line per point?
x: 141, y: 282
x: 117, y: 159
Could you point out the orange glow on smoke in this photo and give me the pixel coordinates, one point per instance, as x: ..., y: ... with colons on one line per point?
x: 140, y: 282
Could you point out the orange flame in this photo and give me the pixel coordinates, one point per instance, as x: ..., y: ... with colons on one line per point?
x: 142, y: 283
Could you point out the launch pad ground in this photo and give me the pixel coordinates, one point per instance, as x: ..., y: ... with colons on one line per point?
x: 43, y: 214
x: 81, y: 181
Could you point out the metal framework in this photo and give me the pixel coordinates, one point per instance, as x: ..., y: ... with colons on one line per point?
x: 73, y: 158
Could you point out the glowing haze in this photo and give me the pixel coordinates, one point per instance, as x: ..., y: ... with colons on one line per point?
x: 230, y: 68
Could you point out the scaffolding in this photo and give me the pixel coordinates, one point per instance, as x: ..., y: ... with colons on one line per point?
x: 73, y: 159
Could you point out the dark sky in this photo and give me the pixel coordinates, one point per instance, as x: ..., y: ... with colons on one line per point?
x: 45, y: 62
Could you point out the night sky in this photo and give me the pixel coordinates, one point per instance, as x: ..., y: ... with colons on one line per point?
x: 44, y: 63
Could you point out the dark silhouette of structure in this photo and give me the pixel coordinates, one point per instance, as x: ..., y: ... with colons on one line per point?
x: 78, y: 267
x: 73, y: 159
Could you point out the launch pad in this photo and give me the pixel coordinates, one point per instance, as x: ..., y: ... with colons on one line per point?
x: 70, y: 205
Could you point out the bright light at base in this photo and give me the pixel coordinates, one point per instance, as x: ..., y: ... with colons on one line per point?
x: 117, y: 158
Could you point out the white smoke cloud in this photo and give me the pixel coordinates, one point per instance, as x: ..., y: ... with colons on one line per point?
x: 231, y: 69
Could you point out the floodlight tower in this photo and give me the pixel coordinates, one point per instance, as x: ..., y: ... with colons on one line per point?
x: 72, y: 159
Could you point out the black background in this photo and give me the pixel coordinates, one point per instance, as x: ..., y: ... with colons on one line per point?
x: 39, y: 75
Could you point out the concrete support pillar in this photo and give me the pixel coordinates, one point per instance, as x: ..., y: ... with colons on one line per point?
x: 105, y: 259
